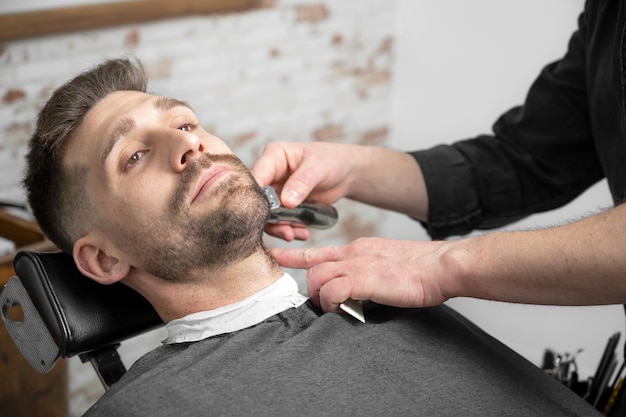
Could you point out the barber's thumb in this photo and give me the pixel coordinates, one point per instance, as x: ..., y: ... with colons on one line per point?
x: 333, y: 293
x: 298, y: 187
x: 291, y: 196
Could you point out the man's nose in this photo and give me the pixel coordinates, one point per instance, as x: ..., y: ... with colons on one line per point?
x: 187, y: 147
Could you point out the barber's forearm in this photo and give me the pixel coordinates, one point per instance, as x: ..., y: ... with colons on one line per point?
x: 390, y: 180
x: 581, y: 263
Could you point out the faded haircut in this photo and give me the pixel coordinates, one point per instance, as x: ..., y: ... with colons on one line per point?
x: 58, y: 196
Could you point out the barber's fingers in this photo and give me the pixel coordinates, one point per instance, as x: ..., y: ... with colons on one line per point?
x: 291, y: 168
x: 287, y: 232
x: 271, y: 166
x: 300, y: 171
x: 332, y: 283
x: 308, y: 173
x: 397, y: 273
x: 329, y: 280
x: 332, y: 294
x: 305, y: 258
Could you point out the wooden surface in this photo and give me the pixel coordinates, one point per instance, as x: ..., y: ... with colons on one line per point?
x: 24, y: 391
x: 71, y: 19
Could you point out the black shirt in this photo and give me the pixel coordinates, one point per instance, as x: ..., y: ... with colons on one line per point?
x: 568, y: 135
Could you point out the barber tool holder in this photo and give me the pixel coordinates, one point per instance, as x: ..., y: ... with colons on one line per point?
x: 24, y: 391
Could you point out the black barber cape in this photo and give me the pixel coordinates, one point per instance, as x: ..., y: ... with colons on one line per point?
x: 301, y: 362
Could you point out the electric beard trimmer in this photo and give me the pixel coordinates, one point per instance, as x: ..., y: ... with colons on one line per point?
x: 315, y: 215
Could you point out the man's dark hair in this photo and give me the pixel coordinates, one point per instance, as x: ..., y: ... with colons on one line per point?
x: 57, y: 196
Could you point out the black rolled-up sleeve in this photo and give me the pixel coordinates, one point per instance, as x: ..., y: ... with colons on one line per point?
x: 540, y: 156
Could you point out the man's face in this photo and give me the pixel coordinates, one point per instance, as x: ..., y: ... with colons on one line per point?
x: 171, y: 196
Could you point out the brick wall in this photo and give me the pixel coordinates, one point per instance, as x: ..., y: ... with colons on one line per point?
x: 293, y: 70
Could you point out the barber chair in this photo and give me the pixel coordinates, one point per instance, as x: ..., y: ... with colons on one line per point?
x: 66, y: 314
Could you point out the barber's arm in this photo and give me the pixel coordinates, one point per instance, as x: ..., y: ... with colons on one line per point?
x: 581, y: 263
x: 540, y: 156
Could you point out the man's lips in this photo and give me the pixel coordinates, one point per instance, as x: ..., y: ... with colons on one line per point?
x: 207, y: 179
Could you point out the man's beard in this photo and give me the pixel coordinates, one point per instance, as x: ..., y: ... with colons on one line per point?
x: 230, y: 231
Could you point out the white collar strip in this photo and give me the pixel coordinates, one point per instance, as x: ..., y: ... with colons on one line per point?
x: 278, y: 297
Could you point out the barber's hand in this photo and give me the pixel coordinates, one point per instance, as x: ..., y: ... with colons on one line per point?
x: 314, y: 171
x: 391, y: 272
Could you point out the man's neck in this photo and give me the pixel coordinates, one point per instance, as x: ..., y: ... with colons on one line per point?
x: 209, y: 288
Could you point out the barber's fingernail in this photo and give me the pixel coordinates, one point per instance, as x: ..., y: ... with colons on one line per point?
x: 290, y: 195
x: 301, y: 234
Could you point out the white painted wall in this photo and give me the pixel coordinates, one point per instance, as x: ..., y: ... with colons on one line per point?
x: 459, y: 65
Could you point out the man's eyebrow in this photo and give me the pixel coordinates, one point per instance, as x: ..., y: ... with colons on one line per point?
x: 126, y: 125
x: 168, y: 103
x: 122, y: 129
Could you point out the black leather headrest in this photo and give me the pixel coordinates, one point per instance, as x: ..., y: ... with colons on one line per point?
x: 80, y: 314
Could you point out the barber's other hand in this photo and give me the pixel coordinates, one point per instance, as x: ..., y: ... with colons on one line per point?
x: 391, y: 272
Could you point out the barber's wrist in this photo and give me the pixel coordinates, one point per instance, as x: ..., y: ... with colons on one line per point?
x: 361, y: 181
x: 458, y: 259
x: 387, y: 179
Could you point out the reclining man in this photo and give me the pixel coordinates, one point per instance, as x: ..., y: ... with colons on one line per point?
x: 139, y: 193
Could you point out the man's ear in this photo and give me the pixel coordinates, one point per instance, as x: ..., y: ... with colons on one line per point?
x: 95, y: 263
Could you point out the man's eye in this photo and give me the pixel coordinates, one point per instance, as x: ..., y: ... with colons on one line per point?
x: 186, y: 127
x: 135, y: 158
